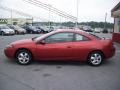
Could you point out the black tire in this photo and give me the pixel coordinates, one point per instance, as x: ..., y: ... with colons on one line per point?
x: 2, y: 33
x: 95, y: 58
x: 31, y: 32
x: 23, y: 57
x: 16, y: 32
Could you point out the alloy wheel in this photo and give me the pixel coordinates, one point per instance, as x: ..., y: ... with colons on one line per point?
x: 96, y: 59
x: 23, y: 57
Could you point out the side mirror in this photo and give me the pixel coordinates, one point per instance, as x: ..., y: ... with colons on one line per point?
x: 42, y: 42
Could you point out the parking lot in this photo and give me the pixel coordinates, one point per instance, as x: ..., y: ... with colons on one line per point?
x: 57, y: 75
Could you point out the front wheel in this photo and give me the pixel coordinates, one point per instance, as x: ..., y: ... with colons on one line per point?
x: 2, y: 33
x: 95, y: 58
x: 23, y: 57
x: 31, y: 32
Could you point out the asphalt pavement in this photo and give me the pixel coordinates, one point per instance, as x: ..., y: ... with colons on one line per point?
x: 58, y: 75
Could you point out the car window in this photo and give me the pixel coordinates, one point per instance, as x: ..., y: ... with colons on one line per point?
x: 79, y: 37
x: 4, y: 27
x: 60, y: 37
x: 97, y: 37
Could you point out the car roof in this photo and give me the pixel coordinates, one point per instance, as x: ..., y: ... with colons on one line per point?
x: 69, y: 30
x: 78, y: 31
x: 74, y: 31
x: 2, y: 25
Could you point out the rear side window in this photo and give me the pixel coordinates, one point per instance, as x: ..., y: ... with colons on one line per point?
x: 95, y: 36
x: 79, y: 37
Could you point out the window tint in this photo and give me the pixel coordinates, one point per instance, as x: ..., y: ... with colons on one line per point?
x: 79, y: 37
x: 60, y: 37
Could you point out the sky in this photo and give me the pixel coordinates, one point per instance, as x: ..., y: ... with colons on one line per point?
x: 88, y: 10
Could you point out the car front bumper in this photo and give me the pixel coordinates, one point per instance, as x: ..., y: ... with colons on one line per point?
x: 9, y: 33
x: 10, y: 52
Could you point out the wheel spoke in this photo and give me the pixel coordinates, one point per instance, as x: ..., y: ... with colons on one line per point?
x: 25, y: 54
x: 20, y: 58
x: 92, y: 57
x: 21, y: 54
x: 94, y: 61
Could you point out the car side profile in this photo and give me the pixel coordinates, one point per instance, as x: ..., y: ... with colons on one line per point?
x: 32, y: 29
x: 18, y: 30
x: 5, y: 30
x: 62, y: 45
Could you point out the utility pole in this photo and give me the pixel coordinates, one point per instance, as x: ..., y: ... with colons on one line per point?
x: 11, y: 17
x: 49, y: 15
x: 105, y: 21
x: 32, y: 21
x: 77, y: 8
x: 60, y: 22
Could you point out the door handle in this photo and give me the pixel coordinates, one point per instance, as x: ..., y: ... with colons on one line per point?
x: 68, y: 46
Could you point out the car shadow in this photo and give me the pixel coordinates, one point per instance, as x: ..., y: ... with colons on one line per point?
x: 36, y: 62
x: 108, y: 63
x: 63, y: 63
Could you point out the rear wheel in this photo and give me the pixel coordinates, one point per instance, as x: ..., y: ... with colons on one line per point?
x: 95, y: 58
x: 23, y: 57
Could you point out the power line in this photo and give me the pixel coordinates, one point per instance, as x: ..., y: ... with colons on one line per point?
x: 53, y: 9
x: 21, y: 13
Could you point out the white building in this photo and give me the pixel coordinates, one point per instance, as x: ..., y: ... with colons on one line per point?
x: 15, y: 21
x: 115, y: 12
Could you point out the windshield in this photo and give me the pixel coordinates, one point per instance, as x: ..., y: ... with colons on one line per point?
x: 32, y: 27
x: 42, y: 36
x: 17, y: 27
x: 4, y: 27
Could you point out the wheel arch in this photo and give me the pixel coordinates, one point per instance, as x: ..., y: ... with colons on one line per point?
x: 2, y: 32
x: 24, y: 49
x: 97, y: 50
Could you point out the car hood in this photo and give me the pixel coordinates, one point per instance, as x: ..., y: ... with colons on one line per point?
x: 21, y: 42
x: 7, y: 30
x: 36, y: 29
x: 21, y: 29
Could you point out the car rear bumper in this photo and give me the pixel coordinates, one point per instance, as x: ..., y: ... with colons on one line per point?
x: 110, y: 53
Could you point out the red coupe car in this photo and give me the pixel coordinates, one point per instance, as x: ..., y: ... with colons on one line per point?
x: 67, y: 44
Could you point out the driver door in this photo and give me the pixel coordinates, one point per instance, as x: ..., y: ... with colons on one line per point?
x: 56, y: 46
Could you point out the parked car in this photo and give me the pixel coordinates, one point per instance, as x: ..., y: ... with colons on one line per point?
x: 97, y: 30
x: 5, y: 30
x: 18, y: 30
x: 49, y: 28
x: 61, y: 45
x: 32, y: 29
x: 88, y: 30
x: 105, y: 31
x: 42, y: 30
